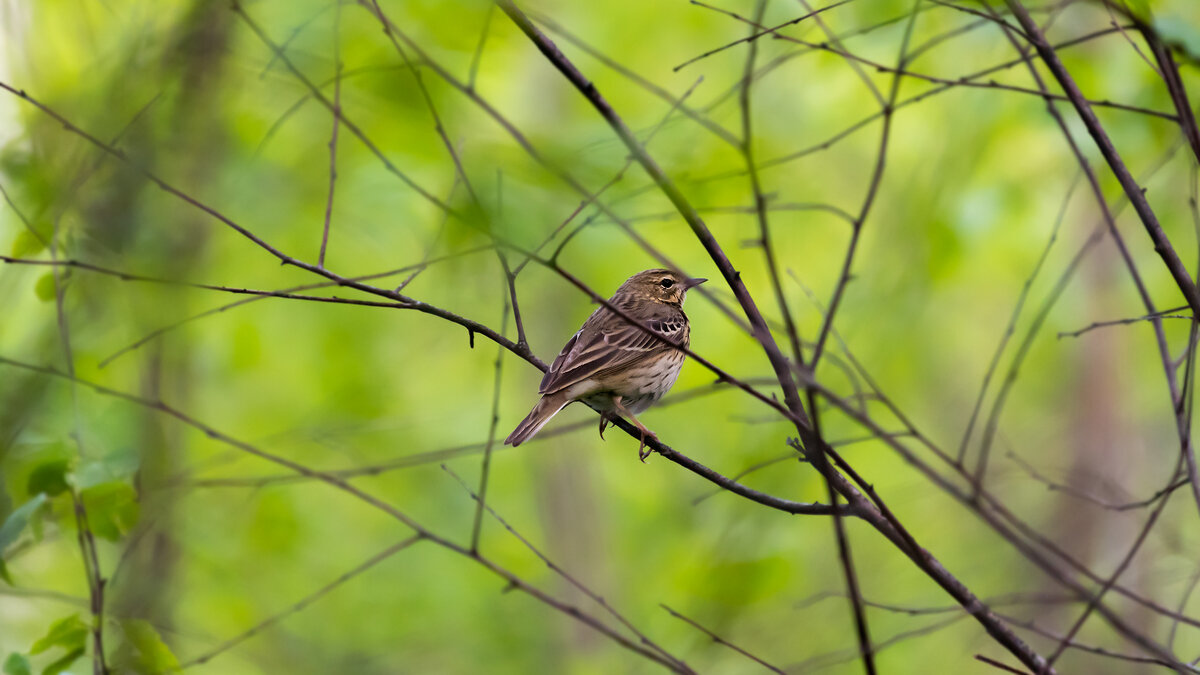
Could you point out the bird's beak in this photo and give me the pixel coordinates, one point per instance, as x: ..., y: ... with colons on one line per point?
x: 692, y: 283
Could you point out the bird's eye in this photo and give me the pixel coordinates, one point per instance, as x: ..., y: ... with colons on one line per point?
x: 667, y: 283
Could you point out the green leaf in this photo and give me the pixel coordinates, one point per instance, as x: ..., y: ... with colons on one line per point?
x: 45, y: 287
x: 112, y: 509
x: 11, y: 529
x: 69, y: 633
x: 49, y: 477
x: 4, y: 573
x: 26, y: 244
x: 17, y: 664
x: 1181, y: 33
x: 144, y: 650
x: 63, y: 663
x: 113, y: 467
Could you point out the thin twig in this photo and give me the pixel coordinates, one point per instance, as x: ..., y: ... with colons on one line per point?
x: 485, y: 467
x: 342, y: 485
x: 301, y: 604
x: 843, y: 655
x: 967, y: 82
x: 755, y: 36
x: 833, y: 39
x: 721, y: 641
x: 1079, y: 494
x: 523, y: 141
x: 882, y: 519
x: 1118, y: 240
x: 96, y: 581
x: 1183, y: 600
x: 1092, y: 649
x: 908, y: 102
x: 1162, y: 314
x: 1162, y: 244
x: 1011, y: 328
x: 182, y: 478
x: 84, y: 534
x: 676, y: 103
x: 569, y: 578
x: 997, y: 664
x: 337, y: 118
x: 996, y: 515
x: 477, y: 57
x: 760, y: 200
x: 43, y: 594
x: 888, y: 108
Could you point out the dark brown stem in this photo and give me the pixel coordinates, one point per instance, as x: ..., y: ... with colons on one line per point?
x: 96, y: 582
x: 886, y: 524
x: 722, y: 641
x: 493, y: 421
x: 337, y: 124
x: 1110, y: 223
x: 997, y: 664
x: 342, y: 485
x: 1162, y: 245
x: 689, y: 112
x: 1169, y: 71
x: 1108, y: 584
x: 859, y: 62
x: 300, y: 604
x: 1011, y: 327
x: 754, y: 36
x: 557, y: 569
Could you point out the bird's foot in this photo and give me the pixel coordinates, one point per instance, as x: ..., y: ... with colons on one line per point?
x: 643, y: 451
x: 604, y: 421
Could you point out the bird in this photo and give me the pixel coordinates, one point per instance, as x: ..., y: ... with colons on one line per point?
x: 614, y: 365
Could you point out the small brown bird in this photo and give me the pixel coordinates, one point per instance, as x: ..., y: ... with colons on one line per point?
x: 614, y: 365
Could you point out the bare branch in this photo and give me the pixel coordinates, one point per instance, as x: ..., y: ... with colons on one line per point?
x: 342, y: 485
x: 1162, y: 314
x: 337, y: 124
x: 754, y: 36
x: 486, y: 466
x: 301, y: 604
x: 1075, y: 492
x: 721, y: 641
x: 1162, y: 244
x: 557, y: 569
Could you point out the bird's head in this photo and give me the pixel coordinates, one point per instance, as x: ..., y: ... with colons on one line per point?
x: 659, y: 285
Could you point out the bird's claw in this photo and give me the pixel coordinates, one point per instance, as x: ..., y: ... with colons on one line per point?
x: 643, y: 451
x: 603, y: 425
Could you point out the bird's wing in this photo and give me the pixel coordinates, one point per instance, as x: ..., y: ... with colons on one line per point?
x: 608, y: 343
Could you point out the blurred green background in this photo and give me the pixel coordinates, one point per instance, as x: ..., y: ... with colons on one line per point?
x: 206, y: 541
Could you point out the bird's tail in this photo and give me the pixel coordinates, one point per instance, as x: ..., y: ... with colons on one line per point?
x: 542, y: 412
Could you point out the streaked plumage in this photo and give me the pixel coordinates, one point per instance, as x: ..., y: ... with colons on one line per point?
x: 614, y: 365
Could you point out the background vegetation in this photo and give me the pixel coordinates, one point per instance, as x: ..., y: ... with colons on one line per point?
x: 139, y: 514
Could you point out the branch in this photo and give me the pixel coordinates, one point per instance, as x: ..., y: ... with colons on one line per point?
x: 1162, y: 314
x: 1162, y: 244
x: 883, y: 520
x: 696, y: 116
x: 722, y: 641
x: 899, y: 70
x: 1108, y: 584
x: 486, y: 466
x: 997, y: 664
x: 337, y: 124
x: 301, y: 604
x: 754, y: 36
x: 1011, y: 328
x: 597, y: 598
x: 342, y: 485
x: 96, y: 582
x: 1079, y: 494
